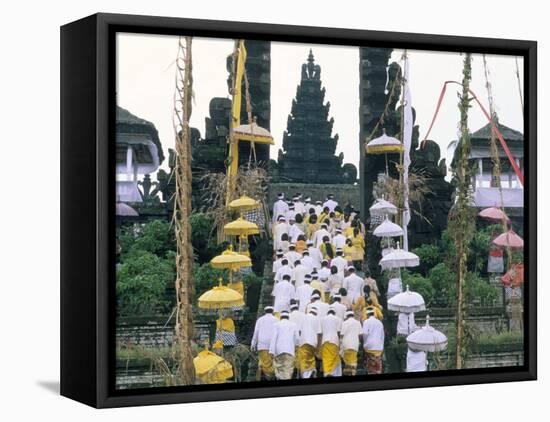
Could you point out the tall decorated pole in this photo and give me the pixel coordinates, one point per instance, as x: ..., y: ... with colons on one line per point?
x: 407, y: 141
x: 461, y: 217
x: 182, y: 209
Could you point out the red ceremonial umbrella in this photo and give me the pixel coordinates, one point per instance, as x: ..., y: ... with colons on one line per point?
x: 493, y: 214
x: 510, y: 239
x: 514, y: 276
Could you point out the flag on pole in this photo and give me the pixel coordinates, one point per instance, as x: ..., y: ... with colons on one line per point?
x: 407, y: 140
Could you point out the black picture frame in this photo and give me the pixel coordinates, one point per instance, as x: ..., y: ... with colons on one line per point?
x: 87, y: 208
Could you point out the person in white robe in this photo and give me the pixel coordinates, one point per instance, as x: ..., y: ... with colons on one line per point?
x: 320, y: 234
x: 303, y: 293
x: 339, y: 261
x: 283, y: 270
x: 322, y: 307
x: 310, y: 340
x: 299, y: 206
x: 330, y: 203
x: 335, y: 281
x: 339, y: 309
x: 318, y: 208
x: 307, y: 261
x: 331, y: 326
x: 315, y: 254
x: 294, y: 231
x: 299, y: 273
x: 292, y: 255
x: 373, y: 343
x: 406, y: 324
x: 280, y: 228
x: 296, y: 316
x: 284, y: 341
x: 261, y: 340
x: 308, y: 206
x: 283, y: 292
x: 339, y: 240
x: 291, y: 213
x: 280, y: 207
x: 417, y: 360
x: 278, y: 263
x: 353, y: 284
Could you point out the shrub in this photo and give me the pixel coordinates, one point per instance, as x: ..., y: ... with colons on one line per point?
x: 419, y: 284
x: 430, y: 255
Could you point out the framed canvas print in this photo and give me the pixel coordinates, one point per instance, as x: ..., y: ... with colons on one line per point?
x: 253, y: 210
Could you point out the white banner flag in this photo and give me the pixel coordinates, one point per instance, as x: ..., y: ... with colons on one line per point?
x: 407, y: 141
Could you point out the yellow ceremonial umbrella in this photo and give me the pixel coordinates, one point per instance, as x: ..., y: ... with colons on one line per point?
x: 220, y: 297
x: 211, y: 368
x: 384, y: 145
x: 244, y: 203
x: 242, y: 228
x: 253, y: 133
x: 232, y: 261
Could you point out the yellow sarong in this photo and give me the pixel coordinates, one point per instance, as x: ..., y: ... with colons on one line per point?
x: 306, y: 358
x: 350, y: 357
x: 330, y: 356
x: 265, y: 362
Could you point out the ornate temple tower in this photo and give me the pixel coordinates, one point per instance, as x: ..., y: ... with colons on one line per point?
x: 308, y: 144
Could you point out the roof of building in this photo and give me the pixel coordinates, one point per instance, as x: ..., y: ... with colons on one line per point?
x: 507, y: 133
x: 127, y: 124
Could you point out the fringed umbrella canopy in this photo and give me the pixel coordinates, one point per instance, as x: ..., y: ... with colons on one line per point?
x: 230, y: 260
x: 384, y: 145
x: 244, y: 203
x: 407, y: 302
x: 514, y: 276
x: 253, y: 133
x: 388, y: 229
x: 493, y: 214
x: 220, y: 297
x: 399, y: 258
x: 211, y: 368
x: 125, y: 210
x: 240, y: 227
x: 427, y: 339
x: 383, y: 207
x: 510, y: 239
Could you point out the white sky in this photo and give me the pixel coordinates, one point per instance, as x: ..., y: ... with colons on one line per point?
x: 145, y: 86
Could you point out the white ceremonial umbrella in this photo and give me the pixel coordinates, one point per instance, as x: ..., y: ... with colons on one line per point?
x: 407, y: 302
x: 382, y: 207
x: 124, y: 210
x: 388, y: 229
x: 427, y: 339
x: 399, y: 258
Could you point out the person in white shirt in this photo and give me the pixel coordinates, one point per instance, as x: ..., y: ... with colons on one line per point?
x: 283, y: 347
x: 296, y: 316
x: 290, y: 214
x: 353, y: 284
x: 324, y: 272
x: 261, y: 340
x: 310, y: 339
x: 303, y: 293
x: 331, y: 326
x: 322, y: 308
x: 294, y: 231
x: 406, y: 324
x: 292, y: 255
x: 283, y: 291
x: 339, y: 240
x: 416, y: 361
x: 299, y: 273
x: 283, y: 270
x: 339, y: 309
x: 280, y: 207
x: 278, y: 262
x: 315, y: 254
x: 373, y: 343
x: 339, y: 261
x: 309, y: 206
x: 307, y: 261
x: 280, y: 228
x: 350, y: 336
x: 298, y: 205
x: 318, y: 208
x: 320, y: 234
x: 330, y: 202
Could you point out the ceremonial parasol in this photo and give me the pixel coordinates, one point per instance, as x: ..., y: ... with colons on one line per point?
x: 211, y: 368
x: 493, y: 214
x: 399, y: 258
x: 125, y: 210
x: 510, y: 239
x: 427, y: 339
x: 253, y: 133
x: 384, y: 145
x: 242, y: 228
x: 244, y: 203
x: 382, y: 208
x: 220, y: 297
x: 407, y: 302
x: 233, y: 262
x: 388, y: 229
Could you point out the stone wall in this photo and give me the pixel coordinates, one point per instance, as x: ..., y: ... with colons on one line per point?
x: 342, y: 192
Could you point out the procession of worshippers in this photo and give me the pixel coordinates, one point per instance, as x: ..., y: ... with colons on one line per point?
x: 323, y: 311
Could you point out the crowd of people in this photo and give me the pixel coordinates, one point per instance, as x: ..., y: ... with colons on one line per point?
x: 326, y: 311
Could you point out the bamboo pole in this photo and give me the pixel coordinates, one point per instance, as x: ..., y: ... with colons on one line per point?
x: 182, y: 210
x: 461, y: 225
